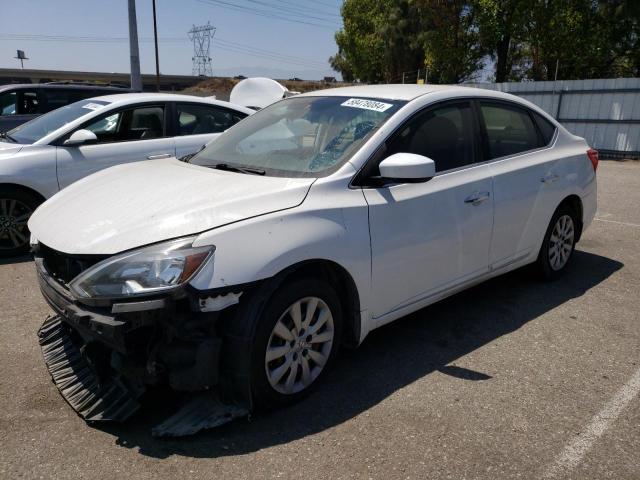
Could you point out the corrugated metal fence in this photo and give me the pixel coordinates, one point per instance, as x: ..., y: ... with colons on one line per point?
x: 605, y: 112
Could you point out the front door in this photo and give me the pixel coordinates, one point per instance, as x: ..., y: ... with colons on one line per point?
x: 428, y: 237
x: 129, y: 135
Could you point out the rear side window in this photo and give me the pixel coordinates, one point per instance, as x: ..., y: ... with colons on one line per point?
x: 199, y: 119
x: 444, y: 134
x: 56, y: 98
x: 547, y: 129
x: 510, y: 130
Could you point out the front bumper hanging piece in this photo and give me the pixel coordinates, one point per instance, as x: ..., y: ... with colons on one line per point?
x: 93, y: 399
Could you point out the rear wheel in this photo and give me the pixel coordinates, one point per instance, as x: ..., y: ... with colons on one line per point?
x: 16, y: 206
x: 559, y: 243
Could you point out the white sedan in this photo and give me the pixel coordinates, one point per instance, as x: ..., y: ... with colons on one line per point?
x: 45, y: 155
x: 301, y: 229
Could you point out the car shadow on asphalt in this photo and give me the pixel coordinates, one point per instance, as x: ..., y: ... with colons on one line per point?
x: 391, y: 358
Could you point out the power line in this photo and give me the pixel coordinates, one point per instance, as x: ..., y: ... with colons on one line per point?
x: 262, y: 13
x: 228, y: 46
x: 295, y: 8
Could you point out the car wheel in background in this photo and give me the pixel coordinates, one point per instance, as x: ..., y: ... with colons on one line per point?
x: 559, y: 243
x: 16, y: 206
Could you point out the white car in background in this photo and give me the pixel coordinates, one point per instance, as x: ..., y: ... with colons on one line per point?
x: 302, y: 228
x: 43, y: 156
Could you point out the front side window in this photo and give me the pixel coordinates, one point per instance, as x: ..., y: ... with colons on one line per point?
x: 201, y: 119
x: 300, y: 136
x: 42, y: 126
x: 510, y: 130
x: 142, y: 123
x: 444, y: 134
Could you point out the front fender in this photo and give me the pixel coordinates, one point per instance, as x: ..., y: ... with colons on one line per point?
x: 262, y: 247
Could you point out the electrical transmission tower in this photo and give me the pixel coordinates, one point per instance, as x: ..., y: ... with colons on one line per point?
x: 201, y: 37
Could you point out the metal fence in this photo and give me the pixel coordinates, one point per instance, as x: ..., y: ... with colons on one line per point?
x: 605, y: 112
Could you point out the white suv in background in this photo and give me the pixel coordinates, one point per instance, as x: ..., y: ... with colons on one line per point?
x: 302, y: 228
x: 50, y: 152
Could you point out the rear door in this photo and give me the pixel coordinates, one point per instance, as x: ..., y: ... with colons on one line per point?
x: 195, y: 124
x: 525, y: 177
x: 130, y: 134
x: 429, y: 237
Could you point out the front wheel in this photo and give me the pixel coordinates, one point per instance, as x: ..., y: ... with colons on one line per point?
x: 295, y: 342
x: 16, y: 206
x: 559, y: 243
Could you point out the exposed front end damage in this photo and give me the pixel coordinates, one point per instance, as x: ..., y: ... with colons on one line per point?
x: 103, y: 357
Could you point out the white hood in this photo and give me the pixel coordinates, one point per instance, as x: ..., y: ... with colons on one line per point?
x: 8, y: 149
x: 136, y: 204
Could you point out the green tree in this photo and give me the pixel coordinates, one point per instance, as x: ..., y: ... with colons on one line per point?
x: 361, y: 46
x: 501, y: 26
x: 450, y: 40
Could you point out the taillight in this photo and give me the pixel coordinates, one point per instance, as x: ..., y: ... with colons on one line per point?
x: 592, y: 153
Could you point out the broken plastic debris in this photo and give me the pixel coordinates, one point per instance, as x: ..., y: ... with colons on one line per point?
x: 203, y: 411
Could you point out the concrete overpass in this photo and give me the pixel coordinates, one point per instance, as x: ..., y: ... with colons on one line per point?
x: 167, y: 82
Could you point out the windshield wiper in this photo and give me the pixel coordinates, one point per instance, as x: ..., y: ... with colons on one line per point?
x: 233, y: 168
x: 8, y: 137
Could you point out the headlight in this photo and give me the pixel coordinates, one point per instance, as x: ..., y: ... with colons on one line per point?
x: 146, y: 271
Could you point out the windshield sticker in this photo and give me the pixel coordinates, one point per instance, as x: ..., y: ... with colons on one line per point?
x: 92, y: 106
x: 367, y: 104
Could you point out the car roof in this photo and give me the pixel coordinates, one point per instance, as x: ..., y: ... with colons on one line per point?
x: 402, y: 91
x: 122, y: 99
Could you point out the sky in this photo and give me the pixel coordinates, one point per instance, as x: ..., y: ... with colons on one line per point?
x: 252, y: 38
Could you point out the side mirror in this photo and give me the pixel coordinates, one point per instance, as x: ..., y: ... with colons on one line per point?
x: 80, y: 137
x: 407, y: 168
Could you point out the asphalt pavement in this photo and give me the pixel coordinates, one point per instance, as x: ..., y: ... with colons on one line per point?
x: 514, y: 378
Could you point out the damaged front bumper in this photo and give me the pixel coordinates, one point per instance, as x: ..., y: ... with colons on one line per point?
x: 103, y: 358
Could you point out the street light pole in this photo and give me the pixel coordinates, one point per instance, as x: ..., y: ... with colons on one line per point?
x: 155, y: 38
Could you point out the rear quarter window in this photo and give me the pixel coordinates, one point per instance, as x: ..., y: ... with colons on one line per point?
x: 547, y: 129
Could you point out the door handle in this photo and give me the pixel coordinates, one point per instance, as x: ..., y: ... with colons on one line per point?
x: 159, y: 156
x: 477, y: 198
x: 552, y: 177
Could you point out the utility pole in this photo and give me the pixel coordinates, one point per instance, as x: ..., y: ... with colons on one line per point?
x: 155, y: 38
x: 136, y: 80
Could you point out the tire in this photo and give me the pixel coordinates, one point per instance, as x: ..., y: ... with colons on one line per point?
x: 16, y: 206
x: 307, y: 348
x: 559, y: 243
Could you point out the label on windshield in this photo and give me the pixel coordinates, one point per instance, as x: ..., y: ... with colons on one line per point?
x: 367, y: 104
x: 92, y: 106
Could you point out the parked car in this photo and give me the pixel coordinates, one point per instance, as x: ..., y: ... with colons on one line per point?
x: 45, y: 155
x: 20, y: 103
x: 301, y: 229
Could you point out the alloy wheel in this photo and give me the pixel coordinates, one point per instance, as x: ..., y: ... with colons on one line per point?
x: 14, y: 215
x: 299, y: 346
x: 561, y: 242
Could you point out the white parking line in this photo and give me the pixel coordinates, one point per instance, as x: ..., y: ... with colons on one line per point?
x: 619, y: 223
x: 576, y: 450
